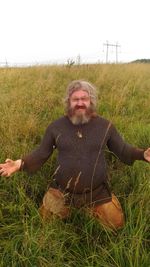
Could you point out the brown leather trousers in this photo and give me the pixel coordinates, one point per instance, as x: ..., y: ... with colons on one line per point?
x: 109, y: 214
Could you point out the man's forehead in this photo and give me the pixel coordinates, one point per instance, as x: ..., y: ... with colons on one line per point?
x: 80, y: 92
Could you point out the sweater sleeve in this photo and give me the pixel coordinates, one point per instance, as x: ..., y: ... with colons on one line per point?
x: 124, y: 151
x: 35, y: 160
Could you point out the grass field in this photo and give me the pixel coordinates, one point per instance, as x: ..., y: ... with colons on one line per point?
x: 30, y: 98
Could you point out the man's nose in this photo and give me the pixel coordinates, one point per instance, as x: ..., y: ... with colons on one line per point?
x: 80, y: 102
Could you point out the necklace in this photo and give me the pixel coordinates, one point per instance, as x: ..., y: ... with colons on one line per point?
x: 79, y: 134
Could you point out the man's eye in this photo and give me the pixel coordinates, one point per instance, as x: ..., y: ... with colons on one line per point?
x: 82, y: 99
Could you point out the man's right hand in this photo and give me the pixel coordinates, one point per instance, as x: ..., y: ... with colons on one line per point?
x: 10, y: 167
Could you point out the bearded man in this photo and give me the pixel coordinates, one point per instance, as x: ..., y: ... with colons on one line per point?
x: 80, y: 179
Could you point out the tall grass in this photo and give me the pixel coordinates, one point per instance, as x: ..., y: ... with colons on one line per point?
x: 30, y: 98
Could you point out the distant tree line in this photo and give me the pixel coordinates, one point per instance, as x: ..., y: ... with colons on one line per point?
x: 144, y: 60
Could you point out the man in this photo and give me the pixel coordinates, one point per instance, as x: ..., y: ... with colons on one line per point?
x: 80, y: 179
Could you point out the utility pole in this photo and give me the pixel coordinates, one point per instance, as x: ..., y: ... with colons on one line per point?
x: 107, y: 44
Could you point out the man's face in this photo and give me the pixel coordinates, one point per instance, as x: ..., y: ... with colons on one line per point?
x: 80, y: 109
x: 79, y: 102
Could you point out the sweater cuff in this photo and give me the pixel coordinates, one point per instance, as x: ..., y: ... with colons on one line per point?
x: 139, y: 154
x: 22, y: 165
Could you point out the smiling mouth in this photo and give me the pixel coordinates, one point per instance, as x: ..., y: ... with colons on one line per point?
x: 80, y: 110
x: 77, y: 108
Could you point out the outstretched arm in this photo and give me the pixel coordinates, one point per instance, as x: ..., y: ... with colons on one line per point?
x: 33, y: 161
x: 124, y: 151
x: 10, y: 167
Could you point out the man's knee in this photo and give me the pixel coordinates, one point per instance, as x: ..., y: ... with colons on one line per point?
x: 118, y: 218
x: 110, y: 214
x: 118, y: 222
x: 53, y: 204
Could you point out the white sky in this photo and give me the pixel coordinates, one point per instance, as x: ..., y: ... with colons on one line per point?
x: 56, y: 30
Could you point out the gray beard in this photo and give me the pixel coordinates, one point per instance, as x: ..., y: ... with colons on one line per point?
x: 81, y: 118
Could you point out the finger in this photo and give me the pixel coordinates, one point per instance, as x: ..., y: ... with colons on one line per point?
x: 8, y: 175
x: 8, y: 160
x: 1, y: 166
x: 1, y: 171
x: 4, y: 173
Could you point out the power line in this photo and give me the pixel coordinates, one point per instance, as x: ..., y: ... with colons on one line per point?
x: 107, y: 44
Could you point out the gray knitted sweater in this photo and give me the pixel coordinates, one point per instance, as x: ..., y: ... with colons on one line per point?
x: 81, y: 166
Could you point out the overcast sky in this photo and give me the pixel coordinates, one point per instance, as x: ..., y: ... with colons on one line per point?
x: 56, y: 30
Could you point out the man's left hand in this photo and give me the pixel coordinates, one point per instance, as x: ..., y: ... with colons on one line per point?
x: 147, y: 154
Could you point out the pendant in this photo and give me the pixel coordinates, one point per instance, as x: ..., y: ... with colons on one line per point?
x: 79, y: 134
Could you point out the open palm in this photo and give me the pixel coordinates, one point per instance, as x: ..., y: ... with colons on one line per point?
x: 147, y: 154
x: 9, y: 167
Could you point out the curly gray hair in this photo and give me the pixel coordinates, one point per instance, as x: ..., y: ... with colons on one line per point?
x: 81, y: 85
